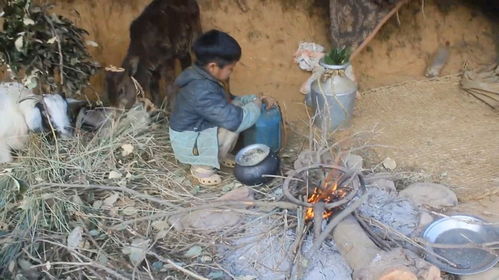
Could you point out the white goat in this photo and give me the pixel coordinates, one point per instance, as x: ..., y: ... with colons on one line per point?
x: 22, y: 111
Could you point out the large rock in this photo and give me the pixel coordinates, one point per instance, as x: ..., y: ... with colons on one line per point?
x: 383, y: 184
x: 353, y: 161
x: 492, y: 274
x: 213, y: 219
x: 398, y: 264
x: 429, y: 194
x: 209, y: 220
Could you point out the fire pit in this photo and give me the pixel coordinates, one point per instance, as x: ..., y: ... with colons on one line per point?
x: 336, y: 189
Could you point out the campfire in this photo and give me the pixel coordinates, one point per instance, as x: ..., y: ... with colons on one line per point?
x: 326, y: 194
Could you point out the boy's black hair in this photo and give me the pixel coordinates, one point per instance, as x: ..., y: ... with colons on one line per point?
x: 216, y: 46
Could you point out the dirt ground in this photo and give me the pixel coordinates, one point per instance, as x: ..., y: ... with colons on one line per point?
x: 435, y: 128
x: 429, y: 125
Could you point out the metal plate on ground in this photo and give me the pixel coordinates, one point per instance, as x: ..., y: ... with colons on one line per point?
x: 462, y: 229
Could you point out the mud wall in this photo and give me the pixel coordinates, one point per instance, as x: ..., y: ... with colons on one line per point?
x: 405, y: 45
x: 270, y: 31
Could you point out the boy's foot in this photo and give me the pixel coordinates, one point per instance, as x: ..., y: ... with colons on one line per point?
x: 229, y: 161
x: 206, y: 177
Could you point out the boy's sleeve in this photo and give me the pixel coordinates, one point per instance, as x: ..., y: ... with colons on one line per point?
x: 251, y: 113
x: 245, y: 99
x: 217, y: 110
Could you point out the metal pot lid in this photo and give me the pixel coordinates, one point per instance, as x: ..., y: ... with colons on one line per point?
x: 252, y: 155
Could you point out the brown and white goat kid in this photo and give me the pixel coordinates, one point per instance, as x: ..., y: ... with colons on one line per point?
x: 22, y: 111
x: 161, y: 34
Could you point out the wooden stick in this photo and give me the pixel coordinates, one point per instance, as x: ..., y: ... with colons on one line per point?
x: 482, y: 100
x: 177, y: 267
x: 318, y: 211
x: 110, y: 188
x: 377, y: 28
x: 407, y: 239
x: 338, y: 218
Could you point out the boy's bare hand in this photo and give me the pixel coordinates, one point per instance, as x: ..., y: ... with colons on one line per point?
x: 269, y: 101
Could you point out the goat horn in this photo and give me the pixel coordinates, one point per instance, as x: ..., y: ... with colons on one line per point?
x: 112, y: 68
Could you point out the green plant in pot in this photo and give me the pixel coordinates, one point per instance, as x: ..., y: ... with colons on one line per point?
x: 338, y: 56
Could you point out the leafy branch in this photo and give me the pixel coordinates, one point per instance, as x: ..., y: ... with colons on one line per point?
x: 44, y: 49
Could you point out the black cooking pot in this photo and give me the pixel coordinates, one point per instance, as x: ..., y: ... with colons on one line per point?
x: 254, y: 161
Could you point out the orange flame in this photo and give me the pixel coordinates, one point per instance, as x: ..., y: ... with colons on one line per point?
x: 327, y: 194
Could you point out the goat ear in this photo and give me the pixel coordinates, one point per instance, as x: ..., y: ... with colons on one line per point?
x: 72, y: 101
x: 74, y: 106
x: 132, y: 65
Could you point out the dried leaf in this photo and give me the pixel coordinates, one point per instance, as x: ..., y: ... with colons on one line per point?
x: 91, y: 43
x: 216, y: 275
x: 12, y: 266
x: 28, y: 21
x: 115, y: 175
x: 206, y: 259
x: 52, y: 40
x: 137, y: 251
x: 228, y: 187
x: 157, y: 265
x: 160, y: 225
x: 97, y: 204
x: 75, y: 237
x: 77, y: 200
x: 111, y: 200
x: 102, y: 259
x: 161, y: 234
x: 130, y: 211
x: 246, y: 277
x: 193, y: 252
x: 19, y: 43
x: 25, y: 264
x: 127, y: 149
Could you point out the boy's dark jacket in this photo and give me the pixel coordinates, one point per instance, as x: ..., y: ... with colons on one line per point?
x: 202, y: 103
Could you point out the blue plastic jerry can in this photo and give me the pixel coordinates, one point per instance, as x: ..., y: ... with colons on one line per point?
x: 267, y: 129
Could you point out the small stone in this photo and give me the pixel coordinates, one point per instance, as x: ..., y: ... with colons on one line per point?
x: 389, y: 164
x: 115, y: 175
x: 492, y: 274
x: 126, y: 149
x: 239, y: 194
x: 384, y: 184
x: 433, y: 195
x: 97, y: 204
x: 206, y: 259
x: 193, y: 252
x: 353, y: 161
x: 157, y: 266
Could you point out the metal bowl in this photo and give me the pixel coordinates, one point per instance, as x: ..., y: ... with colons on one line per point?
x: 252, y: 154
x: 461, y: 229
